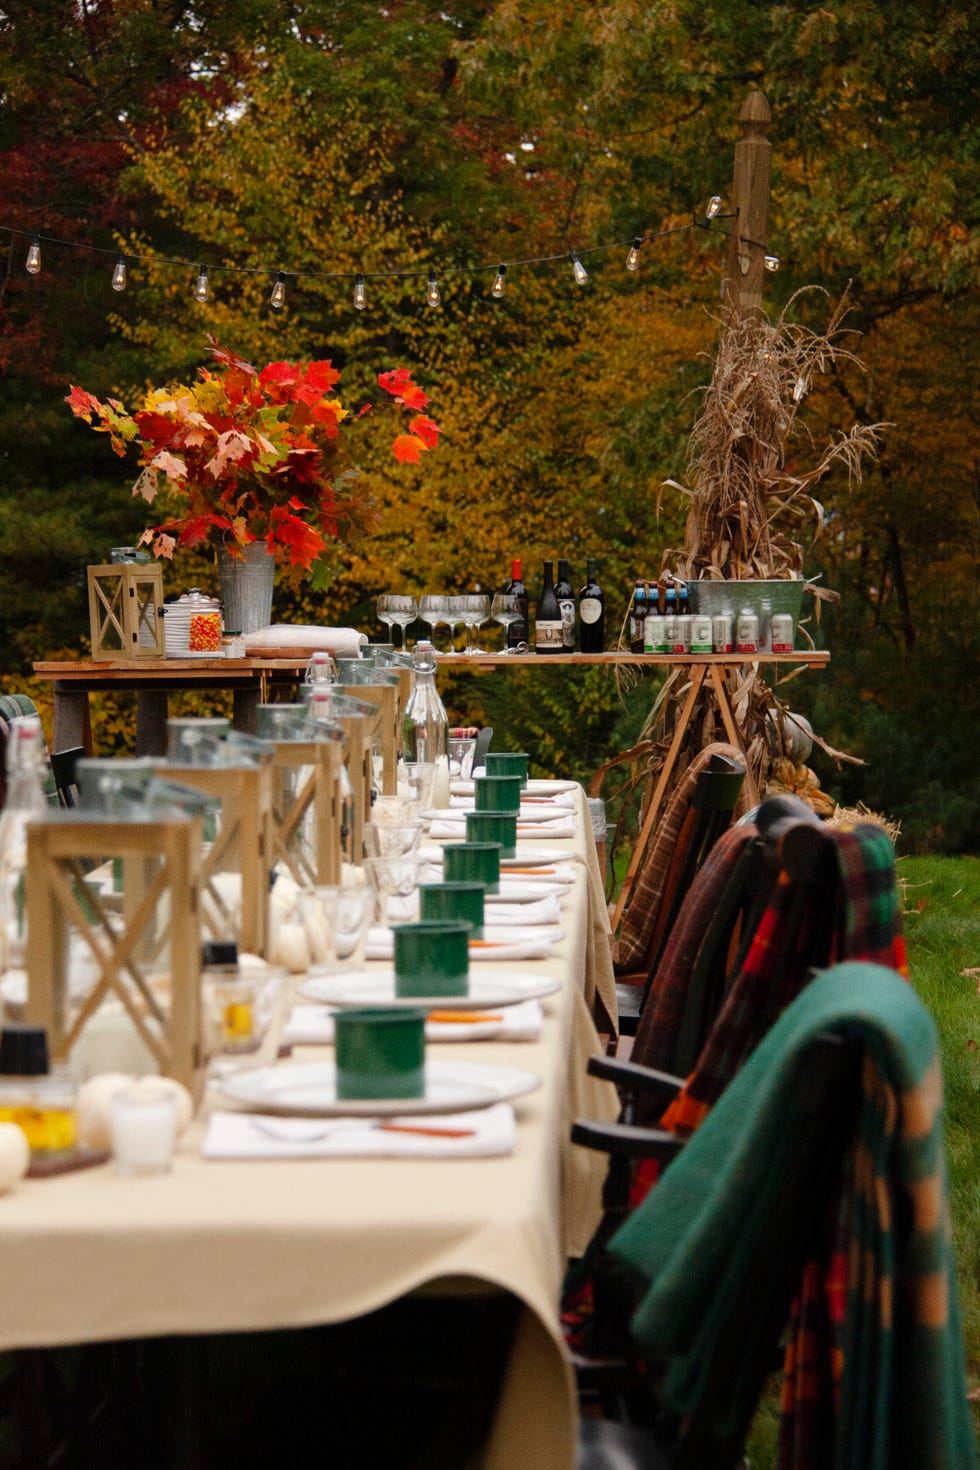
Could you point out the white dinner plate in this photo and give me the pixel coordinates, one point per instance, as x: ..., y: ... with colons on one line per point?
x: 487, y: 990
x: 534, y: 787
x: 310, y: 1090
x: 537, y: 857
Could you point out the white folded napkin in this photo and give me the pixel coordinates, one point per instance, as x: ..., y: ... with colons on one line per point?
x: 519, y: 877
x: 451, y: 827
x: 557, y: 827
x: 539, y: 911
x: 312, y: 1025
x: 487, y: 1133
x: 549, y: 805
x: 342, y: 642
x: 381, y: 946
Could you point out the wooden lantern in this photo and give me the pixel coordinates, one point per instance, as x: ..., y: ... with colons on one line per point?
x: 383, y: 729
x: 244, y: 845
x: 152, y: 964
x: 123, y: 603
x: 315, y: 788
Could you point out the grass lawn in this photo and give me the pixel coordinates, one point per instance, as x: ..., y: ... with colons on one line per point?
x: 942, y: 926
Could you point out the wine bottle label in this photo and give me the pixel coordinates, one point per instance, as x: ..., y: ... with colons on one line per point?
x: 567, y: 605
x: 590, y: 609
x: 548, y: 636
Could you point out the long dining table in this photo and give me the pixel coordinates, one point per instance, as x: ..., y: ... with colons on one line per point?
x: 243, y: 1245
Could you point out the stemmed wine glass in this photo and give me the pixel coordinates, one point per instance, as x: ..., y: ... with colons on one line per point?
x: 434, y: 609
x: 475, y: 608
x: 506, y: 609
x: 395, y: 609
x: 454, y: 617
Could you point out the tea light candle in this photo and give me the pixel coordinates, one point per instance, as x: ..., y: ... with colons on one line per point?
x: 144, y: 1129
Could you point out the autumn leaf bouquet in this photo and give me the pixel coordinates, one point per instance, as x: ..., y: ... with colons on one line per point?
x: 246, y: 454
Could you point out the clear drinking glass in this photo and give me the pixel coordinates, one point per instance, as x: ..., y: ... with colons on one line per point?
x: 398, y: 610
x: 505, y: 609
x: 395, y: 880
x: 336, y: 919
x: 475, y: 608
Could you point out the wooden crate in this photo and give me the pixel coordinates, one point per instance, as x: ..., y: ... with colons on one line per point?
x: 123, y: 603
x: 317, y: 763
x: 152, y: 963
x: 245, y: 844
x: 384, y: 731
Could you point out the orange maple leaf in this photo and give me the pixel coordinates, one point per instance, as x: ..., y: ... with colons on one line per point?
x: 407, y: 448
x: 427, y: 430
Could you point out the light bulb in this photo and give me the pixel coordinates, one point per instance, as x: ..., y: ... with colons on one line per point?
x: 119, y: 275
x: 633, y: 258
x: 360, y: 295
x: 202, y: 290
x: 771, y: 263
x: 578, y: 269
x: 34, y: 256
x: 278, y: 297
x: 714, y: 207
x: 432, y: 291
x: 497, y: 289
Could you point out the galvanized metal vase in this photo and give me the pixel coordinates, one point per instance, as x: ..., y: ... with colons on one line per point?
x: 246, y: 588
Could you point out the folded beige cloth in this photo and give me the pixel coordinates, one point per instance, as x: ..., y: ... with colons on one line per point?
x: 451, y: 827
x: 341, y: 642
x: 488, y: 1133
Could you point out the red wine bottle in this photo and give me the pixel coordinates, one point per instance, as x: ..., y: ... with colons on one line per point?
x: 566, y: 601
x: 591, y: 617
x: 517, y: 632
x: 547, y: 617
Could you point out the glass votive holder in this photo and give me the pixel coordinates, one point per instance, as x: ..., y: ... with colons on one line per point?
x: 380, y: 1052
x: 500, y: 827
x: 242, y: 1004
x: 497, y: 793
x: 384, y: 839
x: 395, y: 881
x: 462, y: 748
x: 439, y: 901
x: 507, y: 763
x: 417, y: 779
x: 336, y: 918
x: 472, y: 862
x: 394, y: 811
x: 432, y: 959
x: 143, y: 1123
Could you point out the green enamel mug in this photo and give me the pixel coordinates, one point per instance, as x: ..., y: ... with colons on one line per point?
x: 380, y: 1052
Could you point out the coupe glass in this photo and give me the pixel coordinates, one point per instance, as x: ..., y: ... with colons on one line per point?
x: 398, y: 610
x: 475, y: 607
x: 505, y: 609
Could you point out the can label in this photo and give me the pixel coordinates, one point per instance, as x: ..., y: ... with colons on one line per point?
x: 747, y: 632
x: 654, y: 634
x: 682, y: 633
x: 782, y: 633
x: 700, y: 634
x: 721, y: 633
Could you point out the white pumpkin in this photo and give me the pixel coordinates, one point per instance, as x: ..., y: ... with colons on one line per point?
x: 15, y: 1155
x: 95, y: 1102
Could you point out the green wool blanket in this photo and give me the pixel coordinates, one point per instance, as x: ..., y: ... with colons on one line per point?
x: 895, y: 1393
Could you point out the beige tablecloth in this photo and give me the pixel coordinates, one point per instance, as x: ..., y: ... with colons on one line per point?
x: 226, y: 1246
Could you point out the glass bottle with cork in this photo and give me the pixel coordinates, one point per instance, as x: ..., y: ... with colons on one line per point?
x: 425, y: 724
x: 548, y: 625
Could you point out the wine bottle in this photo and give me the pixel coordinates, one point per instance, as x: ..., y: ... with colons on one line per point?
x: 566, y: 601
x: 592, y: 634
x: 547, y: 616
x: 517, y: 631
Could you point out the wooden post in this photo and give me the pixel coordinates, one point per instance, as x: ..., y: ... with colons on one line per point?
x: 750, y: 204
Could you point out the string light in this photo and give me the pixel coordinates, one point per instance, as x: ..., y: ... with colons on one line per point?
x: 710, y: 221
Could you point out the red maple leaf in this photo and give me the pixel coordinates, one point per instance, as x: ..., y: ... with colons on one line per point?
x: 228, y: 358
x: 395, y: 381
x: 407, y: 449
x: 427, y: 430
x: 303, y: 545
x: 81, y: 403
x: 413, y: 397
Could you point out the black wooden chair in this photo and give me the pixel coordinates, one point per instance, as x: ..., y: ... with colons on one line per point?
x: 63, y: 769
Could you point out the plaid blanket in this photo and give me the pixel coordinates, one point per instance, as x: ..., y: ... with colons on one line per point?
x: 803, y: 927
x: 894, y: 1397
x: 639, y: 928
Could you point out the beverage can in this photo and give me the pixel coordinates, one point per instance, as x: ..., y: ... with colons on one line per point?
x: 682, y: 633
x: 721, y: 633
x: 747, y: 631
x: 782, y: 633
x: 700, y: 633
x: 654, y: 634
